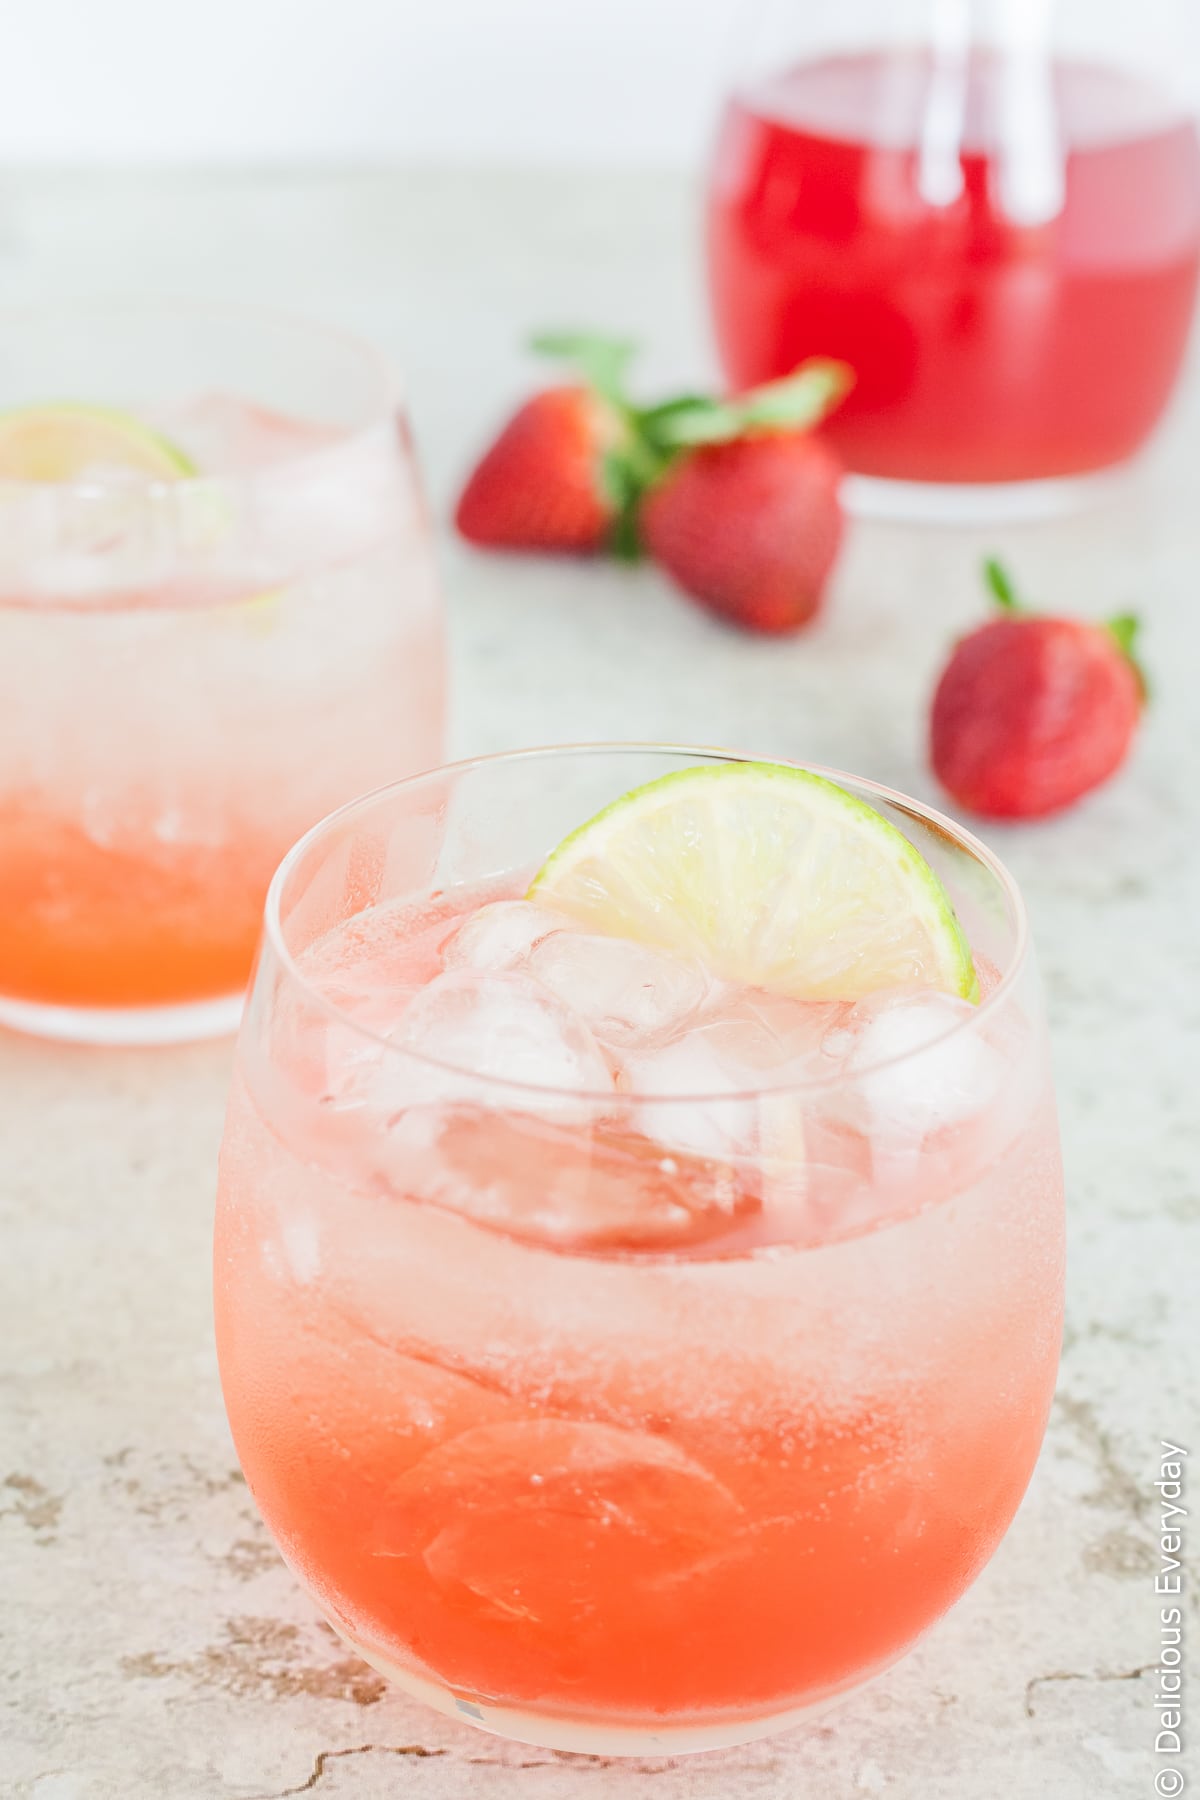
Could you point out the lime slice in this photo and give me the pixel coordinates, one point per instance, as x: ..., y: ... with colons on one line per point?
x: 59, y: 443
x: 771, y: 876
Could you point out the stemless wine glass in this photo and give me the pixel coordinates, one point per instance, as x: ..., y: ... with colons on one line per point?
x: 991, y: 211
x: 220, y: 624
x: 609, y: 1421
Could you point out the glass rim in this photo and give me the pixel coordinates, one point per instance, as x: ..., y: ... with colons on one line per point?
x: 391, y: 398
x: 986, y: 1007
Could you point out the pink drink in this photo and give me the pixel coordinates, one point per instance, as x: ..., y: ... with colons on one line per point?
x: 196, y: 672
x: 606, y: 1415
x: 988, y: 347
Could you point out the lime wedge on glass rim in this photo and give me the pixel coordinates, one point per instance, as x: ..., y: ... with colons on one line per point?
x: 771, y: 876
x: 62, y: 442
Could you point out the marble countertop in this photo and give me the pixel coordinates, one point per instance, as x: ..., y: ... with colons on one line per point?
x: 152, y: 1646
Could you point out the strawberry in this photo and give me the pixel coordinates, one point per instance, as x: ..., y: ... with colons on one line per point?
x: 1033, y: 711
x: 751, y: 528
x: 732, y: 497
x: 540, y: 486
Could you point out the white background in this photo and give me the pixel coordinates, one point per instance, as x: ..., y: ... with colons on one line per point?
x: 437, y: 80
x: 440, y: 81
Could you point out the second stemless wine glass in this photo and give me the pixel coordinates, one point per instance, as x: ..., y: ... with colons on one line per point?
x: 990, y: 211
x: 221, y: 621
x: 612, y: 1420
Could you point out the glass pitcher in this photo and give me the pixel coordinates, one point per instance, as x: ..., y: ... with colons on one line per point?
x: 991, y: 211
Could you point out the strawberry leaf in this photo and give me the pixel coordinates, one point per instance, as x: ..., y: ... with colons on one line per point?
x: 999, y: 585
x: 603, y: 362
x: 684, y: 423
x: 796, y: 403
x: 800, y: 400
x: 1124, y: 630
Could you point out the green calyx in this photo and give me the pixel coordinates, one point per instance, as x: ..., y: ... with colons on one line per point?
x: 1000, y: 587
x: 648, y: 439
x: 603, y: 362
x: 1122, y: 630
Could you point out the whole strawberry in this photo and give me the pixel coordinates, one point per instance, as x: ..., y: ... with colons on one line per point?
x: 541, y: 485
x: 1032, y: 711
x: 733, y: 498
x: 751, y: 528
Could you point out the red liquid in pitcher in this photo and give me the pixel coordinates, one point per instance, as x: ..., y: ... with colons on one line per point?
x: 986, y: 349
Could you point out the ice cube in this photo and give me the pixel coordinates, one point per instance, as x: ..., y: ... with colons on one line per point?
x: 769, y: 1040
x: 222, y: 433
x: 912, y: 1077
x: 752, y: 1047
x: 376, y: 1004
x: 625, y: 992
x: 373, y: 963
x: 301, y: 1241
x: 462, y: 1039
x: 500, y: 936
x: 310, y: 496
x: 545, y: 1519
x: 596, y: 1186
x: 505, y: 1026
x: 691, y: 1066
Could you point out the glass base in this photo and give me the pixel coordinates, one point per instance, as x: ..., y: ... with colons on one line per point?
x: 593, y: 1737
x: 974, y: 503
x: 185, y: 1023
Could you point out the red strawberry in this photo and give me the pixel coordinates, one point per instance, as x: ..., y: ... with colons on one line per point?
x: 751, y: 527
x: 1032, y: 712
x: 541, y: 485
x: 734, y: 499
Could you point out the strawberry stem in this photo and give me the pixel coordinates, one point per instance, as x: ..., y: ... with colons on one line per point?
x: 999, y: 585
